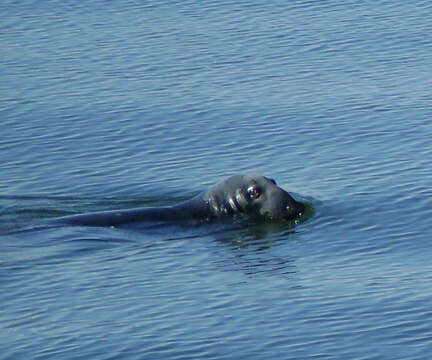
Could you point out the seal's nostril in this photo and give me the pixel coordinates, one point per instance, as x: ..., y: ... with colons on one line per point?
x: 296, y: 210
x: 290, y: 210
x: 300, y: 209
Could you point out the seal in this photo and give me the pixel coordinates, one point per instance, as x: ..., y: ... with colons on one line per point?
x: 249, y: 195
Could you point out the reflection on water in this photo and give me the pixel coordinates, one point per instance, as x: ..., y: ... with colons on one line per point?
x: 249, y: 250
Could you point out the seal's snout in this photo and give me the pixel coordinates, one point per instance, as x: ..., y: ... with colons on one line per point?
x: 297, y: 209
x: 294, y: 208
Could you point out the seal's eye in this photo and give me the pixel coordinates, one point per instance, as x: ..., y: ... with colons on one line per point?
x: 253, y: 192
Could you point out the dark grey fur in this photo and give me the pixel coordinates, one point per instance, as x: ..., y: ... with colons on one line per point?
x: 250, y: 195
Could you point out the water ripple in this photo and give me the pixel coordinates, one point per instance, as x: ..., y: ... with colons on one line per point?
x: 117, y: 105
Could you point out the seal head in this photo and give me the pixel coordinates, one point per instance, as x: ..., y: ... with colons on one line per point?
x: 252, y: 195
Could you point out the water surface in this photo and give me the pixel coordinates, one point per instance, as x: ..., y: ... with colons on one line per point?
x: 107, y: 106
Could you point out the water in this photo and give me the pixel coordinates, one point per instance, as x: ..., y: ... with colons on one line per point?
x: 116, y: 105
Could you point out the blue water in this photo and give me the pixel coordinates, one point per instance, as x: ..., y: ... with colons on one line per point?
x: 107, y: 105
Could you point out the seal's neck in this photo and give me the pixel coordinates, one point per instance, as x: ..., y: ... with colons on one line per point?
x: 198, y: 208
x: 209, y: 205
